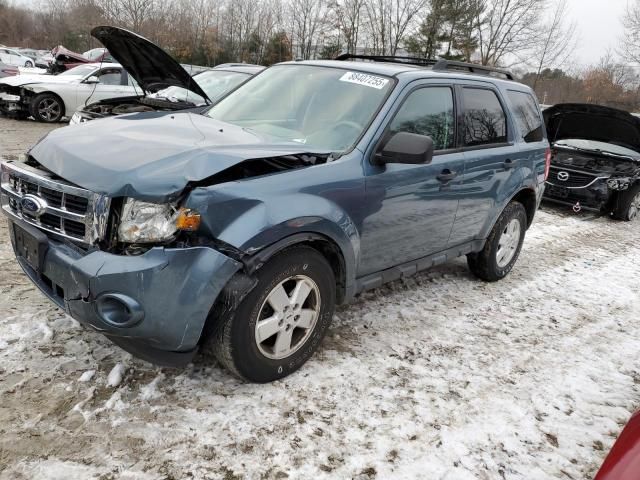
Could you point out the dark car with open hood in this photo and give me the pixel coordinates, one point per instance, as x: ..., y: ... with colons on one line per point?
x: 238, y: 229
x: 595, y: 163
x: 164, y: 83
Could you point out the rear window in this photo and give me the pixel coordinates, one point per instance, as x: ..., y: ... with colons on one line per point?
x: 527, y: 116
x: 484, y: 119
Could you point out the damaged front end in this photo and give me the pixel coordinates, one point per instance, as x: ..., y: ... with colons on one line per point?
x: 153, y: 302
x: 596, y: 155
x: 141, y: 272
x: 589, y: 180
x: 14, y: 100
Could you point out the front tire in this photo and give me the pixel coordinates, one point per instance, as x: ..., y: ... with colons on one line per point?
x: 502, y: 248
x: 28, y: 64
x: 47, y: 108
x: 280, y: 323
x: 628, y: 204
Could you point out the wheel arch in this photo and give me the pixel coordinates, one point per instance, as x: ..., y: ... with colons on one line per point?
x: 323, y: 244
x: 527, y: 197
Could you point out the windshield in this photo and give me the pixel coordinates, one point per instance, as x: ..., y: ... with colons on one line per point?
x: 324, y: 108
x: 214, y: 83
x: 597, y: 146
x: 80, y: 70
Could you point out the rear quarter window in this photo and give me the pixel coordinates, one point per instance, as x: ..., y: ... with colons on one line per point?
x: 527, y: 116
x: 485, y: 122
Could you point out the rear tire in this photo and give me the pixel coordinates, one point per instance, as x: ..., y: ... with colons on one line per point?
x: 280, y: 323
x: 47, y: 108
x: 628, y: 204
x: 502, y: 248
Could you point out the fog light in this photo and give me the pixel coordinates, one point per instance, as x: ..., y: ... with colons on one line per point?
x: 119, y: 310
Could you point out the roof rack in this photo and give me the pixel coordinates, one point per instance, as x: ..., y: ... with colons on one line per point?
x: 438, y: 65
x: 423, y: 62
x: 472, y: 68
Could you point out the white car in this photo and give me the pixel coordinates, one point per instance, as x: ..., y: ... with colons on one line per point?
x: 13, y: 57
x: 49, y: 98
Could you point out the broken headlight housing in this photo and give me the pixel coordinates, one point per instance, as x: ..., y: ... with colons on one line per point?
x: 618, y: 183
x: 143, y: 222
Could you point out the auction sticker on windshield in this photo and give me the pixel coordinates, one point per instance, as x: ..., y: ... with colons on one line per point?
x: 364, y: 79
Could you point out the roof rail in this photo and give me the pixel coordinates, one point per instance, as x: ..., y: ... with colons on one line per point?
x: 439, y: 65
x: 423, y: 62
x: 442, y: 65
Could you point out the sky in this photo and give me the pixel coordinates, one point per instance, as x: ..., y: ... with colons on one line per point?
x: 599, y: 27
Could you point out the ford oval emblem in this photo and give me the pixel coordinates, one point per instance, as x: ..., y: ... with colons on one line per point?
x: 33, y: 205
x: 563, y: 176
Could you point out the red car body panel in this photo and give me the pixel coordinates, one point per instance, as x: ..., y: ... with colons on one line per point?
x: 623, y: 461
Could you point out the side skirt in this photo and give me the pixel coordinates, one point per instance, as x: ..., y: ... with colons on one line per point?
x: 375, y: 280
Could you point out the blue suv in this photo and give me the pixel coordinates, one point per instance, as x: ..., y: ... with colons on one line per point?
x: 238, y: 229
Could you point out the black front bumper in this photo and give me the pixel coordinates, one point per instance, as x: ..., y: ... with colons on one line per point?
x: 595, y: 195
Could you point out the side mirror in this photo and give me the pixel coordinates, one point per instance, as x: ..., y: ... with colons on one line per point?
x: 404, y: 147
x: 92, y: 79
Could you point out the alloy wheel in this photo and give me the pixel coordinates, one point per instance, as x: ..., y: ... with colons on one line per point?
x: 49, y: 109
x: 508, y: 244
x: 287, y: 317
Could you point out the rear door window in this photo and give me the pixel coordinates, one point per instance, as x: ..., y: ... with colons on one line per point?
x: 484, y: 120
x: 527, y: 116
x: 428, y: 111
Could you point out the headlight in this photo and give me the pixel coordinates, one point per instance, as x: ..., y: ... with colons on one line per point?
x: 619, y: 183
x: 75, y: 119
x: 144, y: 222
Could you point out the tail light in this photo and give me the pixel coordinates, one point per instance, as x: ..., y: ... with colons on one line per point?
x: 547, y: 163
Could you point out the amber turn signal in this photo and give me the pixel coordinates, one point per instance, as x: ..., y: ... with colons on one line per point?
x: 188, y: 220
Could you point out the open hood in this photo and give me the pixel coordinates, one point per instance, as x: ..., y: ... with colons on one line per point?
x: 154, y: 159
x: 65, y: 55
x: 152, y: 67
x: 592, y: 122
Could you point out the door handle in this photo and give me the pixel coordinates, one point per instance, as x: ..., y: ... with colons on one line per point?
x: 446, y: 175
x: 508, y: 163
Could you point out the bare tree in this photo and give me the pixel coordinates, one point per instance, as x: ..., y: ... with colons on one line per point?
x: 508, y: 29
x: 631, y: 39
x: 390, y: 20
x: 558, y: 42
x: 308, y: 21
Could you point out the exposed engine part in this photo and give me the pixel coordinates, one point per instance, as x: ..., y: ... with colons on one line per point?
x: 595, y: 162
x: 130, y: 108
x: 264, y: 166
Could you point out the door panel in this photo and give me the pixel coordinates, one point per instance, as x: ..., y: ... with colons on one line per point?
x: 411, y: 208
x: 486, y: 173
x: 412, y: 212
x: 110, y: 86
x: 490, y: 161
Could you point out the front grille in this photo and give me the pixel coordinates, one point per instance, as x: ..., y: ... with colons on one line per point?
x: 52, y: 205
x: 570, y: 178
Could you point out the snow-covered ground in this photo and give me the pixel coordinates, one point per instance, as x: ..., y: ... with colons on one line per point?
x: 437, y: 377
